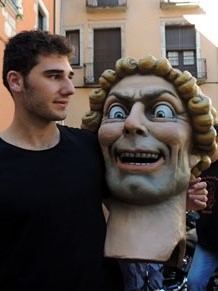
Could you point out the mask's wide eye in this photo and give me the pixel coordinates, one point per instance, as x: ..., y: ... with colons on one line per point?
x: 117, y: 112
x: 163, y: 111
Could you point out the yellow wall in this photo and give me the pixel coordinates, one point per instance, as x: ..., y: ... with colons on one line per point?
x: 141, y: 24
x: 6, y: 104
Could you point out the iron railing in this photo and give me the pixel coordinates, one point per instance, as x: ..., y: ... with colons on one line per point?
x: 106, y: 3
x: 197, y: 67
x: 93, y: 71
x: 179, y: 3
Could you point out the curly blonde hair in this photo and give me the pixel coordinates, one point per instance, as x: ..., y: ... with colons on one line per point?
x: 199, y: 107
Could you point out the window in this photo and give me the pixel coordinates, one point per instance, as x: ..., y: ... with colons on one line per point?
x: 43, y: 16
x: 74, y: 37
x: 188, y: 58
x: 173, y: 57
x: 106, y: 43
x: 107, y: 2
x: 107, y: 49
x: 40, y: 20
x: 181, y: 47
x: 180, y: 37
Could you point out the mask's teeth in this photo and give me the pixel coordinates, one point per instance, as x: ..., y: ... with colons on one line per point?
x: 138, y: 158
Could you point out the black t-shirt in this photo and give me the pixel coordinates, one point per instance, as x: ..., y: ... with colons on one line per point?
x: 51, y: 220
x: 207, y: 224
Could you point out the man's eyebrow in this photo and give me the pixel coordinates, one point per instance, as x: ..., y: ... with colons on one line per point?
x: 57, y: 71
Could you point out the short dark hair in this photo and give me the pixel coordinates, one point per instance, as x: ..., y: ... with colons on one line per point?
x: 22, y: 51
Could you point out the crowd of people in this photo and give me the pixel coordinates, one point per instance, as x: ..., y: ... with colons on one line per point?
x: 52, y: 180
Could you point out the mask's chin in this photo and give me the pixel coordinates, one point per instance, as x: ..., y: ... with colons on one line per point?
x: 131, y: 190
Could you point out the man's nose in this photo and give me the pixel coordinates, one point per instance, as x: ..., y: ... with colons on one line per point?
x: 68, y: 87
x: 135, y: 123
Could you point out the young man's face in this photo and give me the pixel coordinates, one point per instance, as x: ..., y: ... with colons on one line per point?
x: 145, y: 136
x: 48, y: 87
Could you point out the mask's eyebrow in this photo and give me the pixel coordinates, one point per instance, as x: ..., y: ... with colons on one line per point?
x: 155, y: 93
x: 123, y: 95
x: 149, y: 93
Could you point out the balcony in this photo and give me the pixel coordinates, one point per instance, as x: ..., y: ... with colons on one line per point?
x: 92, y: 73
x: 166, y: 4
x: 105, y: 5
x: 201, y: 73
x: 198, y: 69
x: 3, y: 3
x: 15, y: 6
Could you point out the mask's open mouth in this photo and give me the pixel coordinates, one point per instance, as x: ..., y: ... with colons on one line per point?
x: 138, y: 158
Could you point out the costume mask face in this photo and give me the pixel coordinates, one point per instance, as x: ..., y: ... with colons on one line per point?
x: 156, y: 130
x: 145, y: 137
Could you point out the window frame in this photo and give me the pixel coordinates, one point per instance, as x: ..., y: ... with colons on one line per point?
x: 43, y: 11
x: 76, y: 45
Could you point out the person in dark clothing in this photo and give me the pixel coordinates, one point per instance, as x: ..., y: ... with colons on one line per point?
x: 205, y: 260
x: 52, y: 178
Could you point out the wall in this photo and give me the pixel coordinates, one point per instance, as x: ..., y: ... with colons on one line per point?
x: 142, y: 33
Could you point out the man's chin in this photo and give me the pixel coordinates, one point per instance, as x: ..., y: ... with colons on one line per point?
x: 60, y: 118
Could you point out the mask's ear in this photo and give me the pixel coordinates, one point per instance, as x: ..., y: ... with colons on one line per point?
x: 194, y: 160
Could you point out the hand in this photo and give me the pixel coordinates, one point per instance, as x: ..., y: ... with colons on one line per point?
x: 196, y: 194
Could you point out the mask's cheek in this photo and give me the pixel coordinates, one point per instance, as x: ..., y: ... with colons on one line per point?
x: 108, y: 134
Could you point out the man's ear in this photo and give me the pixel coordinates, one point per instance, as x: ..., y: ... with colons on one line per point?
x: 15, y: 81
x: 194, y: 160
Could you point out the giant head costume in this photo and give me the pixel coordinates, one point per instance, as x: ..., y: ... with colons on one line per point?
x: 155, y: 128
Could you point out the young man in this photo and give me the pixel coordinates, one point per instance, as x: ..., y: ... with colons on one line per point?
x: 51, y: 176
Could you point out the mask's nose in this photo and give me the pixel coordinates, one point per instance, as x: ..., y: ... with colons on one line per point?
x: 135, y: 122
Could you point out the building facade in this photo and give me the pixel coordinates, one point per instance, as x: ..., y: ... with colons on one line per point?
x: 101, y: 31
x: 15, y: 16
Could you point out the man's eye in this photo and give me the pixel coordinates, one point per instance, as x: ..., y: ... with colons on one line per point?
x: 117, y: 112
x: 163, y: 111
x: 54, y: 77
